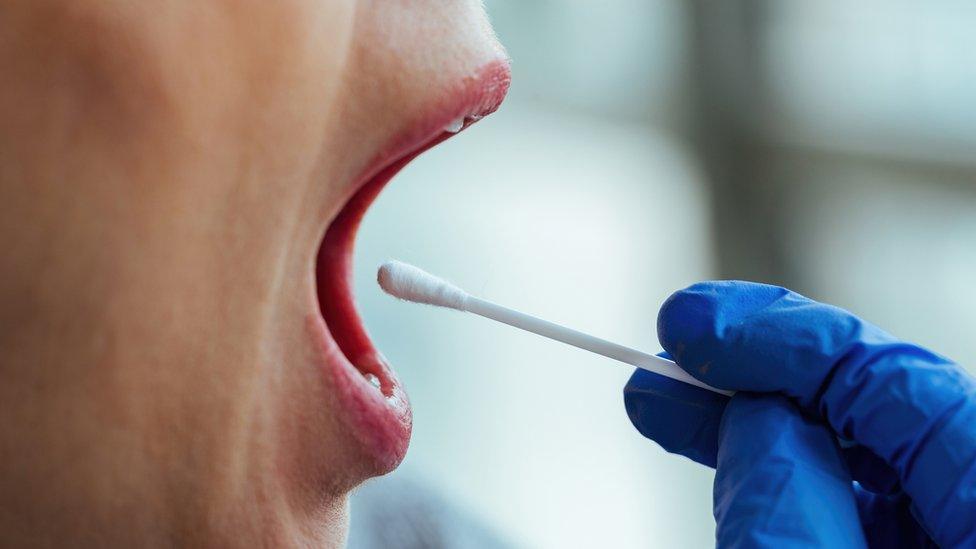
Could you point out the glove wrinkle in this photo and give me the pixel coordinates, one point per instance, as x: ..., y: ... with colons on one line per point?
x: 781, y: 480
x: 889, y: 522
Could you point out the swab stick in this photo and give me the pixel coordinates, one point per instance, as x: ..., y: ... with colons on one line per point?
x: 413, y: 284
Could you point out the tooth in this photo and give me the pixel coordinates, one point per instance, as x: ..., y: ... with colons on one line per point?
x: 373, y: 380
x: 455, y: 125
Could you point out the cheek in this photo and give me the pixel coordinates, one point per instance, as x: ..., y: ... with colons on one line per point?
x: 183, y: 76
x: 289, y: 58
x: 294, y: 56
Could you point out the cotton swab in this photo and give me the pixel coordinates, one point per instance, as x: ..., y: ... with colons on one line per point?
x: 413, y: 284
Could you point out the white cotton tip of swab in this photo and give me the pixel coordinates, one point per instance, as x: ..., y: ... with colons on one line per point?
x: 410, y: 283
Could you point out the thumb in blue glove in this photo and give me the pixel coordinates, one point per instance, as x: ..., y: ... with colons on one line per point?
x: 911, y: 413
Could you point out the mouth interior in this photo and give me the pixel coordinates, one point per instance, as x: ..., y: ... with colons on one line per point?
x: 334, y: 276
x: 334, y: 281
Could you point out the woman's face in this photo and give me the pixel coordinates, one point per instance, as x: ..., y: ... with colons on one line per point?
x: 180, y: 185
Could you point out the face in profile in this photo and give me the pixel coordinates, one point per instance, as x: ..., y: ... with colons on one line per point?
x: 180, y: 187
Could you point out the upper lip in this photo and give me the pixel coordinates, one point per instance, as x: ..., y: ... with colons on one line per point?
x: 382, y: 422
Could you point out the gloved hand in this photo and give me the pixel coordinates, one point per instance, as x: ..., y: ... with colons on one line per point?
x: 811, y: 375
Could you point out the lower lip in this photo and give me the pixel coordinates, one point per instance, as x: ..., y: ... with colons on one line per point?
x: 380, y: 419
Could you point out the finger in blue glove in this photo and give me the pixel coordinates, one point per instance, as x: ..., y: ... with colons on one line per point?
x: 781, y: 479
x: 911, y: 409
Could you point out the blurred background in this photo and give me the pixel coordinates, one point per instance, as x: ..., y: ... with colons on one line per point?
x: 647, y: 144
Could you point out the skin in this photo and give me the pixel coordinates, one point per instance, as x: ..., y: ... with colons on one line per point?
x: 167, y: 170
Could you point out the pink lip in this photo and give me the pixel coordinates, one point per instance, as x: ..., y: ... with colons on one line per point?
x: 381, y: 420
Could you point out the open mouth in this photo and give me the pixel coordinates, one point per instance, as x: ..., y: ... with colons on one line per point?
x: 373, y: 404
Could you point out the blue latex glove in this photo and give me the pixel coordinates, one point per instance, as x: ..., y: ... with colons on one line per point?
x: 809, y: 373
